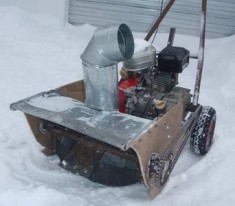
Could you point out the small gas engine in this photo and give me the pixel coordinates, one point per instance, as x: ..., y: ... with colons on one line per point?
x: 148, y: 85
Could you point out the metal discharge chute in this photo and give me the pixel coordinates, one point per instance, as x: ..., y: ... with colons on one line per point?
x: 106, y: 48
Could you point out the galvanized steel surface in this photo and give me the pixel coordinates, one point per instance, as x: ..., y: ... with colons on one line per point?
x: 140, y: 15
x: 141, y: 60
x: 101, y: 85
x: 106, y: 48
x: 109, y: 46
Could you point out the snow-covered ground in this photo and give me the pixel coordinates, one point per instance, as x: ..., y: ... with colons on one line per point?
x: 37, y: 53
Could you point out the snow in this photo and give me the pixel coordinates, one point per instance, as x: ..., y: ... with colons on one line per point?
x: 140, y: 45
x: 55, y: 103
x: 38, y: 54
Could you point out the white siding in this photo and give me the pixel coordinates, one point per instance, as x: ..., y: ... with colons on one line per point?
x: 141, y: 14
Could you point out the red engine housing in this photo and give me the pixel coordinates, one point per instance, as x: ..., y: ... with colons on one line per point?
x: 122, y: 86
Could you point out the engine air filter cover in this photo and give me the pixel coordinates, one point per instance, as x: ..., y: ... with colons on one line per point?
x: 141, y: 60
x: 173, y: 59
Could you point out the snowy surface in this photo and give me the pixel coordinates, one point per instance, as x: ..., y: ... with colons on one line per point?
x: 54, y: 103
x: 38, y: 54
x: 140, y: 45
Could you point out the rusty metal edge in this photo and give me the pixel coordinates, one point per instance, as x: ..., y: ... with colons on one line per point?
x: 200, y: 53
x: 159, y: 20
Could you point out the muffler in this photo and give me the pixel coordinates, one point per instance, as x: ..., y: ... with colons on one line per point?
x: 106, y: 48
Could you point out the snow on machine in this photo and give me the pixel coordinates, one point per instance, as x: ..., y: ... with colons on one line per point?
x: 123, y: 132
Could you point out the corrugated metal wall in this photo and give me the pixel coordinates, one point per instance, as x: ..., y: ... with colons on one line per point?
x: 141, y: 14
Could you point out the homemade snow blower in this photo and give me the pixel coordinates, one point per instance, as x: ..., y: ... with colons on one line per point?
x: 120, y: 133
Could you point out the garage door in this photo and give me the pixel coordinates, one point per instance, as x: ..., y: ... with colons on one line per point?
x: 141, y: 14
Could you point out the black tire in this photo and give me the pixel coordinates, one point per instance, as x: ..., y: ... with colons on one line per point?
x: 203, y: 132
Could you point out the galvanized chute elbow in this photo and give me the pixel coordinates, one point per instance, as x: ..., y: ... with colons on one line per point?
x: 109, y: 46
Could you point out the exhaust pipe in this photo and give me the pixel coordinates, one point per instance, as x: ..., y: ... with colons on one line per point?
x: 106, y: 48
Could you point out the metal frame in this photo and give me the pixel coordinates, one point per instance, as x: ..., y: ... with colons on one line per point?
x: 200, y: 55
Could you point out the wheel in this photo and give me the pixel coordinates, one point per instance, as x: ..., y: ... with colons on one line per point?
x: 202, y: 135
